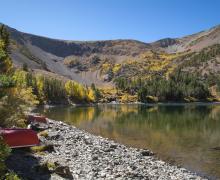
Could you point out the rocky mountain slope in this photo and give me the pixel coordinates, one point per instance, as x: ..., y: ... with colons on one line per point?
x: 101, y: 62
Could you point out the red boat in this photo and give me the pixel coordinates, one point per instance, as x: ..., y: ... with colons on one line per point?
x: 16, y: 138
x: 35, y: 118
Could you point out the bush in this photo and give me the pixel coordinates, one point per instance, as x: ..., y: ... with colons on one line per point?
x: 11, y: 176
x: 4, y: 153
x: 151, y: 99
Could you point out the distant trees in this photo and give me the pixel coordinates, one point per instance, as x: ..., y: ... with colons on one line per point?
x: 94, y: 59
x: 55, y: 91
x: 179, y: 86
x: 129, y: 85
x: 176, y: 88
x: 5, y: 62
x: 75, y: 91
x: 71, y: 61
x: 96, y: 92
x: 25, y: 67
x: 198, y: 58
x: 190, y: 80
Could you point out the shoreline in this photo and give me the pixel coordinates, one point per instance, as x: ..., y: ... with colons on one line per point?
x: 162, y: 102
x: 93, y: 157
x: 134, y: 103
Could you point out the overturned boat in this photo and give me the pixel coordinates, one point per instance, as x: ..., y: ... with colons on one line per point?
x: 37, y: 119
x: 15, y: 137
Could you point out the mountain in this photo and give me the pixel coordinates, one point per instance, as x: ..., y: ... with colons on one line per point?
x: 101, y: 62
x: 196, y: 41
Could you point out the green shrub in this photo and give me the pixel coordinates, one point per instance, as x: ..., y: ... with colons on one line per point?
x: 11, y: 176
x: 4, y: 153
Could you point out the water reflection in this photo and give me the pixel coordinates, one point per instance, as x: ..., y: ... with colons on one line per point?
x: 184, y: 134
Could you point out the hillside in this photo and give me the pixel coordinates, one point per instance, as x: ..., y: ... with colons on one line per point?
x: 102, y: 62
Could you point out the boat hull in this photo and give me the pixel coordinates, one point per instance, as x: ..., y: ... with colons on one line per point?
x: 16, y: 138
x: 38, y: 119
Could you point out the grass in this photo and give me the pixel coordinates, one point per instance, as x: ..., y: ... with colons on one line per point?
x: 46, y: 167
x: 38, y: 149
x: 43, y: 134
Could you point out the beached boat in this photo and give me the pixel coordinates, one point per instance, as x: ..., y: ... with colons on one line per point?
x: 16, y: 138
x: 37, y: 119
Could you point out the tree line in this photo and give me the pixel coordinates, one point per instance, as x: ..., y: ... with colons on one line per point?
x: 56, y: 91
x: 178, y: 87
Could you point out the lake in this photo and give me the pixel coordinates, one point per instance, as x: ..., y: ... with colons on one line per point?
x: 187, y: 135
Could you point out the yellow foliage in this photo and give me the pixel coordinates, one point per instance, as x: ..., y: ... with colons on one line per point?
x: 75, y: 90
x: 80, y: 90
x: 69, y: 86
x: 90, y: 113
x: 70, y: 61
x: 105, y: 67
x: 116, y: 68
x: 36, y: 149
x: 27, y: 96
x: 126, y: 98
x: 20, y: 78
x: 151, y: 99
x: 14, y: 104
x: 91, y: 95
x: 147, y: 54
x: 169, y: 71
x: 190, y: 99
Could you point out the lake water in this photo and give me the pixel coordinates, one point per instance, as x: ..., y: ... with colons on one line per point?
x: 182, y: 134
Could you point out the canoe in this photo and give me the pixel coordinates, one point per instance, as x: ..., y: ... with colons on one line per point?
x: 16, y: 138
x: 38, y: 119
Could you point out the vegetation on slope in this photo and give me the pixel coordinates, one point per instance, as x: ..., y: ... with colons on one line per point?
x: 177, y: 77
x: 20, y: 90
x: 159, y: 76
x: 51, y: 90
x: 13, y: 100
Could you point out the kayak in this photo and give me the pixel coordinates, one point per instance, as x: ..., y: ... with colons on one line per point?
x: 16, y: 138
x: 38, y: 119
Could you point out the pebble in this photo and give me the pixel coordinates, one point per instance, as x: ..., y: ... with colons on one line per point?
x: 93, y: 157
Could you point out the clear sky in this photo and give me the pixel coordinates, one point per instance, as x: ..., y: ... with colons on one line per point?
x: 145, y: 20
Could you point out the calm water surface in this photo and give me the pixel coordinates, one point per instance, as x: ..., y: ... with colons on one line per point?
x: 187, y: 135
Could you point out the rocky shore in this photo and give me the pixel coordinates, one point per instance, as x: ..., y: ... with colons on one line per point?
x: 76, y: 154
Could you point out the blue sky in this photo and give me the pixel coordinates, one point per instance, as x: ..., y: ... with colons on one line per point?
x: 145, y: 20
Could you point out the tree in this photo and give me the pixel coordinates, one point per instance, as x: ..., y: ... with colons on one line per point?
x: 25, y: 67
x: 91, y: 95
x: 96, y: 92
x: 4, y: 36
x: 5, y: 61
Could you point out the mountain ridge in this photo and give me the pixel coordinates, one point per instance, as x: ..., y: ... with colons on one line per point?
x: 96, y: 61
x: 117, y: 39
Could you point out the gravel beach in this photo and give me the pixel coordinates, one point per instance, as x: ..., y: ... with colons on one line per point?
x: 81, y: 155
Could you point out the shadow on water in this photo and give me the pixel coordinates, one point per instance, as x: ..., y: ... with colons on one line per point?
x: 187, y: 135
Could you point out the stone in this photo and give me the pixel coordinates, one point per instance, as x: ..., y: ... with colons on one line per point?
x: 81, y: 155
x: 74, y: 154
x: 95, y: 157
x: 113, y: 146
x: 108, y: 150
x: 64, y: 172
x: 147, y: 153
